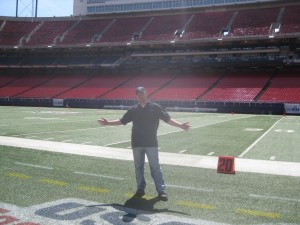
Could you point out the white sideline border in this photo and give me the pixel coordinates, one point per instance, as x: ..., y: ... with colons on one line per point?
x: 198, y: 161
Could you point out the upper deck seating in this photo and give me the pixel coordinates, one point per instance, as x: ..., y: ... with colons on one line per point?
x: 123, y: 29
x: 291, y: 20
x: 13, y: 31
x: 85, y: 30
x: 205, y: 25
x: 238, y: 87
x: 186, y: 87
x: 283, y: 88
x: 49, y: 30
x: 254, y: 22
x: 162, y: 28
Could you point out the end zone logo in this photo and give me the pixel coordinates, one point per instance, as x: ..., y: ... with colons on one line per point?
x: 82, y: 212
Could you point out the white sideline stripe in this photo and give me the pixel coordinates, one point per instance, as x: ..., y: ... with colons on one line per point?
x: 261, y: 137
x: 198, y: 161
x: 98, y: 175
x: 31, y: 165
x: 274, y: 197
x: 190, y: 188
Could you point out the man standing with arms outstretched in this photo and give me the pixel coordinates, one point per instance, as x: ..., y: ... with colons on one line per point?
x: 145, y: 118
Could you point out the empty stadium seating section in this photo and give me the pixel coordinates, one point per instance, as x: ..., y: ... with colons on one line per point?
x: 82, y: 31
x: 240, y: 87
x: 254, y: 22
x: 237, y: 87
x: 285, y: 87
x: 291, y: 20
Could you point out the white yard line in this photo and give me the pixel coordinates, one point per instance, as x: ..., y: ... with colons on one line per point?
x: 261, y: 137
x: 274, y: 197
x: 190, y: 188
x: 58, y: 131
x: 98, y: 175
x: 31, y: 165
x: 198, y: 161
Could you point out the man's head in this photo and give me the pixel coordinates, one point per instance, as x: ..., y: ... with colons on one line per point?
x: 141, y: 95
x: 140, y: 90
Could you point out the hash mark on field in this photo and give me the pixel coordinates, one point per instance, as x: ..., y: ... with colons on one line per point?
x: 272, y: 158
x: 53, y: 182
x: 211, y: 153
x: 94, y: 189
x: 195, y: 205
x: 258, y: 213
x: 130, y: 195
x: 19, y: 175
x: 31, y: 165
x: 183, y: 151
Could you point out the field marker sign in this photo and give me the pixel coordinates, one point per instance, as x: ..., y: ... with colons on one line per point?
x: 226, y: 165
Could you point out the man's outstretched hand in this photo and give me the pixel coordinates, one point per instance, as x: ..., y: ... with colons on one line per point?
x: 185, y: 126
x: 103, y: 122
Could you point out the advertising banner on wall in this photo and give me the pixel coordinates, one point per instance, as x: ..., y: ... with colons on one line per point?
x: 58, y: 102
x: 292, y: 108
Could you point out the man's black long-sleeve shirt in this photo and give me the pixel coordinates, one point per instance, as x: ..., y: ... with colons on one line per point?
x: 145, y: 122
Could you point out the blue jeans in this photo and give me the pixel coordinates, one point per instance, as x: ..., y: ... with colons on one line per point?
x: 156, y: 172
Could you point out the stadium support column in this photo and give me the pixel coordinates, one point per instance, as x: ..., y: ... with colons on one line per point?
x: 17, y: 8
x: 36, y: 6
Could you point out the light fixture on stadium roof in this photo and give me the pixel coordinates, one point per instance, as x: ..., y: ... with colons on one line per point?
x: 173, y: 41
x: 128, y: 43
x: 271, y: 36
x: 88, y: 45
x: 220, y: 39
x: 49, y: 46
x: 16, y: 46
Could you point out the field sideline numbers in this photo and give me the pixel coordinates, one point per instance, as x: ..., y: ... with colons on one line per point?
x: 226, y: 165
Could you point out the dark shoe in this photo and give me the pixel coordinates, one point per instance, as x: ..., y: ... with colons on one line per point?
x: 163, y: 196
x: 139, y: 193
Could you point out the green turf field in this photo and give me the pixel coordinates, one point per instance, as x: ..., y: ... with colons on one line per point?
x: 39, y: 185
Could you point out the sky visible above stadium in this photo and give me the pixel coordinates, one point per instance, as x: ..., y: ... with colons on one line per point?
x: 46, y: 8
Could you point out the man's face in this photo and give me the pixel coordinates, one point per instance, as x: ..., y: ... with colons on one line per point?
x: 141, y: 97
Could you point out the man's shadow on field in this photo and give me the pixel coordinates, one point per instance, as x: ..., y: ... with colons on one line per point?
x: 138, y: 207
